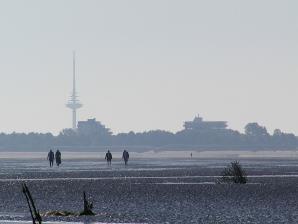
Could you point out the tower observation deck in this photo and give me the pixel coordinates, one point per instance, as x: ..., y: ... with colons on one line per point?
x: 73, y: 102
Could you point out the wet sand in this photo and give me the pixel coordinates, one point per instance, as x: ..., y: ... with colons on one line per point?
x: 153, y: 191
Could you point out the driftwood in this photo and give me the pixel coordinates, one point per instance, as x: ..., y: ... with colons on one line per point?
x: 88, y: 206
x: 59, y: 213
x: 36, y: 218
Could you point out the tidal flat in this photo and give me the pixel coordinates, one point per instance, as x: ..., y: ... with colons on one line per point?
x: 154, y: 190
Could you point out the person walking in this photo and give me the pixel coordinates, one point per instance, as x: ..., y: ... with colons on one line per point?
x: 125, y: 157
x: 109, y: 157
x: 51, y: 157
x: 58, y: 157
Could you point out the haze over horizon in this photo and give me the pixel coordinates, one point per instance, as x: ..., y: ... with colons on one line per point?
x: 145, y: 65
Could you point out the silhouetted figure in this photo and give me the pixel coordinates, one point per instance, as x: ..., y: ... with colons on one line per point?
x: 191, y: 155
x: 125, y: 157
x: 51, y: 157
x: 58, y: 157
x: 109, y: 157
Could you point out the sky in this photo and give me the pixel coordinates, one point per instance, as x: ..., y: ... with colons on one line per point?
x: 149, y: 64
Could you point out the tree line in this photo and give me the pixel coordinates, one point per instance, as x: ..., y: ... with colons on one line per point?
x: 255, y: 137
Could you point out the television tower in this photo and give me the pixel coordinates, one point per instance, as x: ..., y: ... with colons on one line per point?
x: 73, y: 102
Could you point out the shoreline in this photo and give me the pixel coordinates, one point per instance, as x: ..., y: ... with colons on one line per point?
x: 227, y: 154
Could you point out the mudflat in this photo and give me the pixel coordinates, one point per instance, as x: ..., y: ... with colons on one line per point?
x: 167, y: 190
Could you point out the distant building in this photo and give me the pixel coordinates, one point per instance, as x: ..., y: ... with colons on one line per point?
x: 199, y: 124
x: 92, y: 127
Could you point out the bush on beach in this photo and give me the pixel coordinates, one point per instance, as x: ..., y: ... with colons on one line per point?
x: 233, y: 173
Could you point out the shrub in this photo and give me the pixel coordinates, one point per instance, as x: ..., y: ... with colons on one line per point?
x: 234, y: 173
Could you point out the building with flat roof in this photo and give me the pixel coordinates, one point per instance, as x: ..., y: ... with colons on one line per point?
x: 199, y: 124
x: 92, y: 127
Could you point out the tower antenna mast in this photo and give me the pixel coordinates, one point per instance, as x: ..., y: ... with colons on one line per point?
x: 73, y: 102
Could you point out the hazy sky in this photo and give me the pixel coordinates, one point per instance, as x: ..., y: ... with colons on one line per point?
x: 149, y: 64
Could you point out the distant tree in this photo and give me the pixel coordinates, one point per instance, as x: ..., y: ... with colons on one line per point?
x: 255, y: 130
x: 257, y: 136
x: 67, y: 137
x: 68, y: 132
x: 277, y: 132
x: 283, y: 140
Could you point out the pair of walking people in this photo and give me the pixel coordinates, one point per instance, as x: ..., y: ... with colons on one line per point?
x: 51, y: 157
x: 109, y: 157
